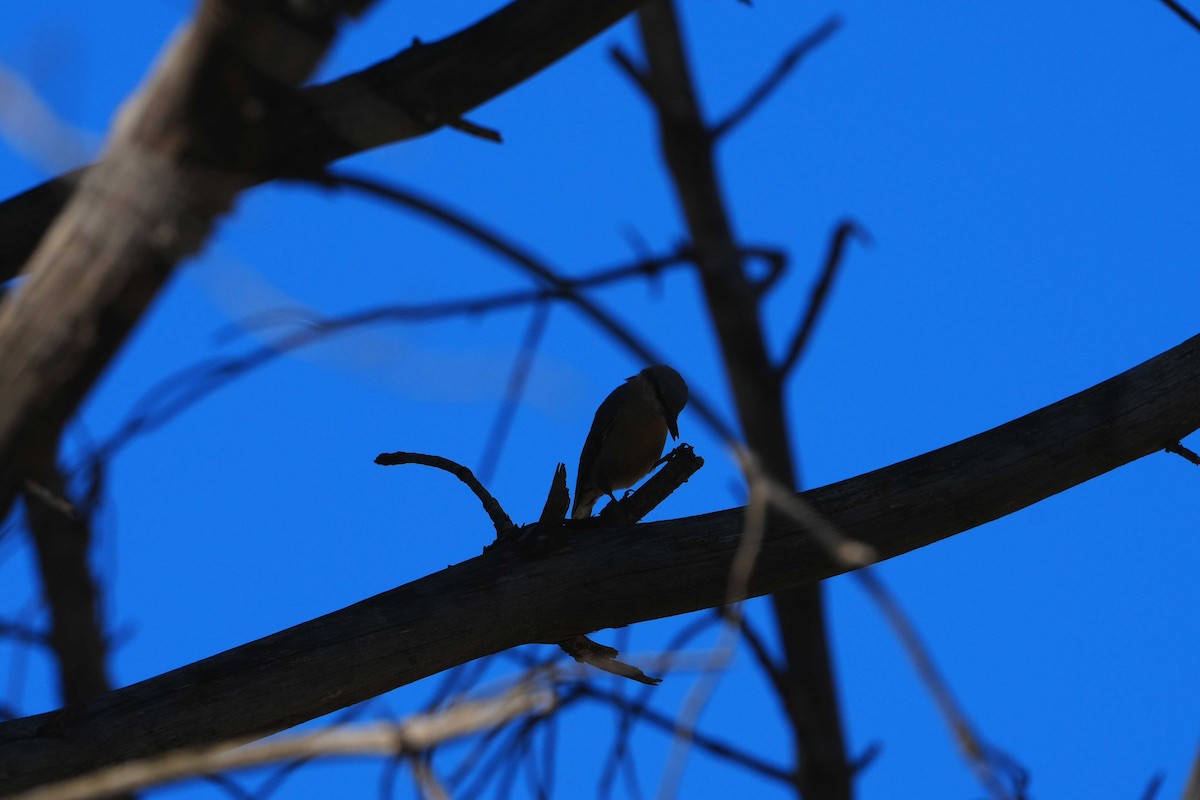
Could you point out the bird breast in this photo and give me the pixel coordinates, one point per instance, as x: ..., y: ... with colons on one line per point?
x: 631, y: 446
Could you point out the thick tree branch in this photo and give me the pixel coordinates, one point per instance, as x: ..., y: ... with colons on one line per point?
x: 606, y: 579
x: 810, y: 701
x: 408, y: 95
x: 178, y: 155
x: 62, y: 542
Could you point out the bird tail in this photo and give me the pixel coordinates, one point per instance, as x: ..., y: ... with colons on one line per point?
x: 583, y: 506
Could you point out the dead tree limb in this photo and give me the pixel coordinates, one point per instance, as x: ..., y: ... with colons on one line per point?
x: 408, y: 95
x: 180, y: 151
x: 62, y: 537
x: 601, y: 579
x: 810, y: 700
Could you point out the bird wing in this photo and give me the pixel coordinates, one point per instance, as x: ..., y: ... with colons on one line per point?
x: 601, y: 425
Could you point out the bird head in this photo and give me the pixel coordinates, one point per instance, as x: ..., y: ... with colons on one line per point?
x: 671, y: 391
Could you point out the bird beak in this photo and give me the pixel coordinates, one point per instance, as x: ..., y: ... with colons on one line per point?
x: 673, y: 426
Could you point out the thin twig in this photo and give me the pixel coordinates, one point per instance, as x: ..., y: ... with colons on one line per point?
x: 1153, y: 785
x: 603, y: 657
x: 772, y: 81
x: 978, y: 754
x: 1178, y: 449
x: 528, y: 263
x: 847, y: 552
x: 501, y: 521
x: 418, y: 733
x: 635, y: 73
x: 427, y: 781
x: 181, y: 390
x: 619, y: 758
x: 820, y: 293
x: 754, y: 529
x: 478, y: 131
x: 517, y: 379
x: 776, y: 261
x: 681, y: 464
x: 22, y: 633
x: 758, y: 648
x: 709, y: 744
x: 1183, y: 13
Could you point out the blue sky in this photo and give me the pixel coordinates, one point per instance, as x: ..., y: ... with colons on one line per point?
x: 1029, y: 175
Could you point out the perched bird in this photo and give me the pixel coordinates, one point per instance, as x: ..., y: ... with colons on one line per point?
x: 628, y: 435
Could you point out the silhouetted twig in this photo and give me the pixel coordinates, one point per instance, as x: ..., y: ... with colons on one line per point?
x: 1178, y: 449
x: 984, y: 760
x: 820, y: 293
x: 1183, y: 13
x: 758, y: 649
x: 22, y: 633
x: 500, y: 519
x: 528, y: 263
x: 517, y: 379
x: 709, y: 744
x: 619, y: 758
x: 791, y: 59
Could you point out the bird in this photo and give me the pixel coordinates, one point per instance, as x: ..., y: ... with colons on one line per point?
x: 627, y: 435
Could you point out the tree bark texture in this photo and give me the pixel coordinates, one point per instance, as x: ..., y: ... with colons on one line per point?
x: 410, y: 94
x: 809, y: 692
x: 606, y: 578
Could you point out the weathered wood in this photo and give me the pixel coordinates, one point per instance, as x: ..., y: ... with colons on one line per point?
x: 418, y: 90
x: 219, y: 115
x: 606, y: 578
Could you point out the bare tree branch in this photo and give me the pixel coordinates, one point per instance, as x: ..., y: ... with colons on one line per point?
x: 417, y: 733
x: 408, y: 95
x: 791, y: 59
x: 820, y: 293
x: 176, y: 160
x: 500, y: 520
x: 978, y: 754
x: 62, y: 542
x: 530, y: 264
x: 517, y: 379
x: 710, y: 744
x: 501, y: 599
x: 1178, y: 449
x: 732, y: 298
x: 1183, y: 13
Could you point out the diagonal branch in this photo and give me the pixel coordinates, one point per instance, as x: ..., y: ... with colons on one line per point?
x: 416, y: 734
x: 703, y: 741
x: 530, y: 264
x: 791, y: 59
x: 820, y: 293
x: 810, y: 702
x: 501, y: 599
x: 171, y: 169
x: 403, y: 97
x: 62, y: 538
x: 1183, y: 13
x: 500, y: 520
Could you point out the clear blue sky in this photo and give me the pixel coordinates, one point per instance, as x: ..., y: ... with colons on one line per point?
x: 1029, y: 173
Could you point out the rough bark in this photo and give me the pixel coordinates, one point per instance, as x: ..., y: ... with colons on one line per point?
x: 418, y: 90
x: 809, y: 693
x: 606, y: 578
